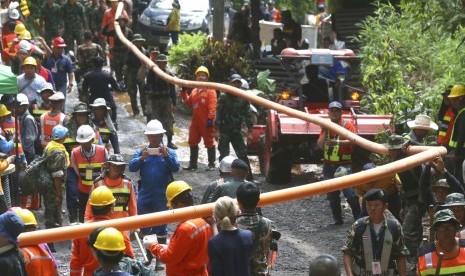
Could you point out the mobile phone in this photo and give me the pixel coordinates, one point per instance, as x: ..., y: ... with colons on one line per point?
x: 153, y: 151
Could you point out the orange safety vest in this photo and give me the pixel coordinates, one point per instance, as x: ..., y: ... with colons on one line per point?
x: 9, y: 125
x: 38, y: 261
x: 445, y: 128
x: 428, y: 259
x: 89, y: 168
x: 37, y: 111
x: 47, y: 123
x: 335, y: 153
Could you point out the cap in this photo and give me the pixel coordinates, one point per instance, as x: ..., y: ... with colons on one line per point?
x: 137, y: 37
x: 445, y: 215
x: 335, y: 104
x: 116, y: 159
x: 47, y: 86
x: 80, y: 107
x: 395, y: 142
x: 58, y: 96
x: 341, y: 171
x: 376, y: 194
x: 235, y: 77
x: 441, y: 183
x: 239, y: 164
x: 369, y: 166
x: 162, y: 58
x: 454, y: 199
x: 11, y: 226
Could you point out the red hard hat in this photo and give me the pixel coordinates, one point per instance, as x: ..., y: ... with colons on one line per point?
x: 59, y: 42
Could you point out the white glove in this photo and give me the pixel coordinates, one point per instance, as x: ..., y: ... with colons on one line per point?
x: 148, y: 240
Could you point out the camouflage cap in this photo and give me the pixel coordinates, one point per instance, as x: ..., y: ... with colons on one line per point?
x: 395, y: 142
x: 80, y: 107
x: 445, y: 215
x: 116, y: 159
x: 454, y: 199
x: 441, y: 183
x: 376, y: 194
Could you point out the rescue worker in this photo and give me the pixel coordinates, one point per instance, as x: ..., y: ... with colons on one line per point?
x: 375, y: 244
x: 82, y: 260
x: 29, y: 82
x: 87, y: 162
x: 85, y: 53
x: 239, y: 171
x: 337, y: 153
x: 61, y: 66
x: 187, y: 252
x: 162, y: 99
x: 12, y: 261
x: 8, y: 125
x: 446, y: 118
x: 457, y: 140
x: 446, y: 242
x: 101, y: 118
x: 75, y: 22
x: 324, y: 264
x: 57, y: 162
x: 43, y: 102
x: 203, y: 102
x: 113, y: 178
x: 39, y: 258
x: 109, y: 18
x: 420, y: 128
x: 225, y: 176
x: 52, y: 118
x: 30, y: 131
x: 156, y: 165
x: 108, y: 249
x: 131, y: 67
x: 229, y: 122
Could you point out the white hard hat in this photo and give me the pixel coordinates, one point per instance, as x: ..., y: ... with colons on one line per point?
x: 85, y: 133
x: 58, y: 96
x: 244, y: 84
x: 13, y: 13
x: 22, y: 99
x: 154, y: 127
x: 226, y: 162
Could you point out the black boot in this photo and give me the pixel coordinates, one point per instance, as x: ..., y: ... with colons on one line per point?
x: 170, y: 142
x: 193, y: 158
x: 211, y: 158
x: 337, y: 212
x: 355, y: 206
x: 73, y: 216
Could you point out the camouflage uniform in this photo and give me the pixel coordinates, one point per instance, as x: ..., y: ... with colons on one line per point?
x: 119, y: 51
x: 91, y: 12
x: 51, y: 21
x: 85, y: 53
x: 75, y: 22
x: 231, y: 114
x: 133, y: 84
x: 261, y: 229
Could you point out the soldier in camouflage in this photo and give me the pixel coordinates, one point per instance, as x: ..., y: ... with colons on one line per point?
x: 51, y: 21
x: 134, y: 84
x: 161, y: 97
x: 75, y: 22
x: 91, y: 11
x: 230, y: 117
x: 85, y: 54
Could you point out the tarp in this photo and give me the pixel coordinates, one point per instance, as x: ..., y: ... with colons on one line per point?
x: 8, y: 82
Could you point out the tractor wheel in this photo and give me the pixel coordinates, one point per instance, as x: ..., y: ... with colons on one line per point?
x: 275, y: 161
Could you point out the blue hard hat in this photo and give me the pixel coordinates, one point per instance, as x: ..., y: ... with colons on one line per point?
x: 59, y: 132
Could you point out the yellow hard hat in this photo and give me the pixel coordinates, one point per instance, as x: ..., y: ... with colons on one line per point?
x: 174, y: 189
x: 4, y: 111
x: 25, y: 35
x: 20, y: 29
x: 110, y: 239
x: 30, y: 61
x: 202, y: 69
x: 101, y: 196
x: 26, y: 216
x: 457, y: 91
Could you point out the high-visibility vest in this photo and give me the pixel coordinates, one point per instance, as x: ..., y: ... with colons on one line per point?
x: 38, y: 261
x: 37, y: 111
x: 445, y: 128
x: 453, y: 137
x: 337, y: 153
x: 122, y: 193
x: 9, y: 126
x: 428, y: 259
x: 47, y: 123
x: 89, y: 168
x: 24, y: 8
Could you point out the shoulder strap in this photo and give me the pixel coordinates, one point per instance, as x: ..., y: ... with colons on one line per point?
x: 26, y: 86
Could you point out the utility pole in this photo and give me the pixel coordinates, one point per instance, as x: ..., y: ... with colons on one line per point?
x: 218, y: 19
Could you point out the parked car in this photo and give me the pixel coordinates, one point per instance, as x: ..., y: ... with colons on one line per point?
x: 195, y: 17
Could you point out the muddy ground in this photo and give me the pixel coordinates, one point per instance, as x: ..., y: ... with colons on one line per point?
x: 304, y: 224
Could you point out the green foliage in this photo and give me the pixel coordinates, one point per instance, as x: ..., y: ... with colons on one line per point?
x: 264, y: 83
x: 194, y: 50
x: 409, y: 58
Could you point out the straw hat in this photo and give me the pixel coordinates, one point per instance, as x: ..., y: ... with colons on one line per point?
x: 422, y: 122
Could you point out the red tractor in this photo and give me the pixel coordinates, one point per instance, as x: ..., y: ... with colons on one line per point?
x: 285, y: 140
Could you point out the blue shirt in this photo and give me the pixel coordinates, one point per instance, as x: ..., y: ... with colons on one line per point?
x: 60, y: 67
x: 155, y: 174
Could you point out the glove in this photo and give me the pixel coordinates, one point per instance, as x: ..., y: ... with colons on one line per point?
x: 148, y: 240
x: 210, y: 123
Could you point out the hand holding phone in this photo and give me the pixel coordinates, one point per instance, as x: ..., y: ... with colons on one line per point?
x: 153, y: 151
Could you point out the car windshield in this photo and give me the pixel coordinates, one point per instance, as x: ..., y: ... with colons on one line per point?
x: 186, y: 5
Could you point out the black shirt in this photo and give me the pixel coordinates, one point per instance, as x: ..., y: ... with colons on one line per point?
x: 96, y: 83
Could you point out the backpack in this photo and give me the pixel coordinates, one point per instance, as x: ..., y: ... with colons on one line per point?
x: 134, y: 267
x: 37, y: 177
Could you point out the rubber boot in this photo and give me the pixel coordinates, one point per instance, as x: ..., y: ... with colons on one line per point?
x: 159, y: 266
x: 211, y: 158
x: 337, y: 212
x: 355, y: 206
x: 170, y: 142
x: 193, y: 159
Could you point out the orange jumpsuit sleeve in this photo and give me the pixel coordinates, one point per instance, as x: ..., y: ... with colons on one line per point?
x: 186, y: 98
x: 177, y: 249
x: 129, y: 250
x: 76, y: 263
x: 212, y: 104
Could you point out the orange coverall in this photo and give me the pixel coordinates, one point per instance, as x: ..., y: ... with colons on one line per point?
x: 203, y: 103
x: 38, y: 261
x: 187, y: 252
x: 109, y: 19
x: 82, y: 257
